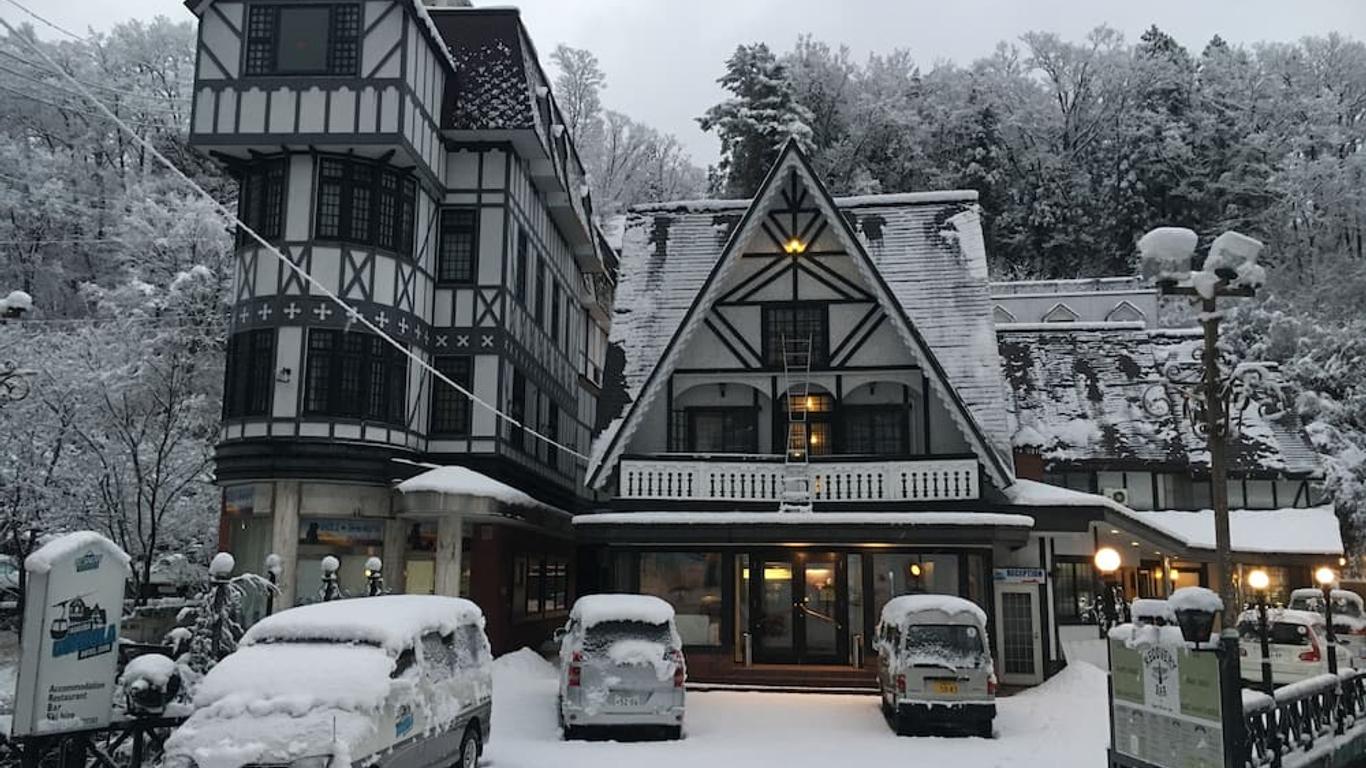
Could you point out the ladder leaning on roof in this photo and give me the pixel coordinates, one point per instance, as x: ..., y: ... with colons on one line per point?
x: 796, y: 491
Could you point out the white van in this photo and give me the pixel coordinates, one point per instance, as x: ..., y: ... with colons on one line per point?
x: 398, y: 680
x: 621, y: 664
x: 934, y: 669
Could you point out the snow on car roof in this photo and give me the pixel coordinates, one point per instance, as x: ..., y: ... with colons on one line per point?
x: 903, y: 609
x: 295, y: 678
x: 592, y: 610
x: 388, y: 621
x: 1338, y: 594
x: 1284, y: 616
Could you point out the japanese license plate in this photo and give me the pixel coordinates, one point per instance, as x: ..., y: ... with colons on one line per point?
x: 946, y: 686
x: 621, y: 699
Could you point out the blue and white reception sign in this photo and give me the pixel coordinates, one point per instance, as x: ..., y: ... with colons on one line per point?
x: 69, y: 657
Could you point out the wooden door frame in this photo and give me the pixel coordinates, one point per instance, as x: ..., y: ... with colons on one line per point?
x: 797, y: 560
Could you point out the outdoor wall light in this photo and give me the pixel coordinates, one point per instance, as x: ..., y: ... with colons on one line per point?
x: 794, y: 246
x: 915, y: 570
x: 1173, y: 574
x: 1325, y: 576
x: 1258, y: 580
x: 283, y: 375
x: 1107, y: 560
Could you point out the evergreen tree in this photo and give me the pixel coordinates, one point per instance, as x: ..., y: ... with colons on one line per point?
x: 755, y: 124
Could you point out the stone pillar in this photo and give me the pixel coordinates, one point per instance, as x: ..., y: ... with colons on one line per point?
x: 284, y: 540
x: 448, y: 540
x: 395, y: 549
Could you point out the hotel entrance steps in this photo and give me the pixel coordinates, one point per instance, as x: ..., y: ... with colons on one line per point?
x: 796, y: 495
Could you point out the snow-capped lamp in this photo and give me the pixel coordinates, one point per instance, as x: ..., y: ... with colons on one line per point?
x: 1165, y: 253
x: 374, y: 575
x: 274, y: 566
x: 329, y: 566
x: 1195, y: 608
x: 221, y: 566
x: 150, y: 682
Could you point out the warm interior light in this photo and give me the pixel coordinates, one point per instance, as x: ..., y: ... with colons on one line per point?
x: 1107, y: 560
x: 1342, y: 561
x: 915, y: 569
x: 794, y: 246
x: 772, y: 573
x: 810, y: 403
x: 1325, y: 576
x: 1258, y: 580
x: 1157, y: 574
x: 1173, y: 574
x: 815, y: 438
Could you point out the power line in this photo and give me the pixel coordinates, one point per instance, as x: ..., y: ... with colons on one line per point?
x: 84, y: 240
x: 77, y: 110
x: 353, y: 314
x: 55, y: 26
x: 47, y: 84
x: 120, y: 91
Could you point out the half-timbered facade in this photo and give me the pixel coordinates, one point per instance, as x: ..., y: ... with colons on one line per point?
x: 412, y: 161
x: 822, y: 403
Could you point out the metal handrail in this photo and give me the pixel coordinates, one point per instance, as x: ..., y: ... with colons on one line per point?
x: 1301, y: 715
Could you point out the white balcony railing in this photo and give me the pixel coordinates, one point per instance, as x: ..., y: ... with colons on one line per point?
x: 699, y: 479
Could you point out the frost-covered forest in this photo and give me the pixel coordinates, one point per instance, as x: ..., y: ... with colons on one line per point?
x: 1077, y: 148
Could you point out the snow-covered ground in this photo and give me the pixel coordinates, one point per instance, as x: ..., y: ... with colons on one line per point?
x: 1060, y: 724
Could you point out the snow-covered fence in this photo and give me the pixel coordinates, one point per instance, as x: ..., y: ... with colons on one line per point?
x: 717, y: 479
x: 1307, y: 722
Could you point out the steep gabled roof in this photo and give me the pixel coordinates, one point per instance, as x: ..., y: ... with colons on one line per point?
x: 922, y: 263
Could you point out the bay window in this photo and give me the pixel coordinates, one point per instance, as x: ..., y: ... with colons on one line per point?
x: 250, y: 379
x: 365, y: 203
x: 355, y: 375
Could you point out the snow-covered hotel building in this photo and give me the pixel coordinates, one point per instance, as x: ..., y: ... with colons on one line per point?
x: 414, y: 162
x: 818, y: 403
x: 806, y: 404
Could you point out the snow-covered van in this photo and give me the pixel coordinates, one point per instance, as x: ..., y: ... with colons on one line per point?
x: 621, y: 664
x: 398, y: 680
x: 1297, y: 640
x: 1349, y: 617
x: 934, y: 669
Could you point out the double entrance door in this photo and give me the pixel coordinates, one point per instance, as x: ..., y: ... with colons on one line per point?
x: 798, y: 607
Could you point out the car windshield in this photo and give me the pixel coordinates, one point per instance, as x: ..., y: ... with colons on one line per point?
x: 1341, y: 606
x: 600, y: 637
x: 1281, y: 633
x: 951, y: 641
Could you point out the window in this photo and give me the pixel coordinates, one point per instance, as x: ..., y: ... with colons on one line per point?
x: 250, y: 379
x: 364, y: 203
x: 456, y: 257
x: 875, y: 430
x: 691, y: 583
x: 516, y: 435
x: 540, y: 293
x: 901, y: 574
x: 540, y: 585
x: 815, y: 432
x: 523, y: 245
x: 303, y: 39
x: 795, y: 324
x: 552, y: 431
x: 1073, y: 589
x: 261, y: 199
x: 723, y: 430
x: 450, y: 409
x: 555, y: 314
x: 355, y: 375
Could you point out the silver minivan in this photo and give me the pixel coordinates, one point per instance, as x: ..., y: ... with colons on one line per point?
x: 934, y: 670
x: 621, y: 665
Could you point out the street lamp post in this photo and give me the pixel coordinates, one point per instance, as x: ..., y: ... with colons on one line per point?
x: 1259, y: 581
x: 1107, y: 561
x: 1216, y: 399
x: 1326, y: 577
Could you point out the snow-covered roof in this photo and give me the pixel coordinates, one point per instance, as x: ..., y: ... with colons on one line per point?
x: 390, y: 621
x: 42, y: 560
x: 808, y: 518
x: 1079, y: 393
x: 463, y: 481
x: 592, y: 610
x: 1309, y: 531
x: 926, y: 249
x: 921, y: 609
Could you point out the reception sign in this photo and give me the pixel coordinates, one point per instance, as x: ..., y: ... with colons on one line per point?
x: 69, y: 654
x: 1166, y: 705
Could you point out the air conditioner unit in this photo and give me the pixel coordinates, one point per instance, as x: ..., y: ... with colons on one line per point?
x: 1118, y: 495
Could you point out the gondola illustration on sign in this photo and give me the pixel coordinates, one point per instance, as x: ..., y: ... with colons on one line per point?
x: 81, y: 628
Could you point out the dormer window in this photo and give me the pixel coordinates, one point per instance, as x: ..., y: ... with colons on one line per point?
x: 303, y: 39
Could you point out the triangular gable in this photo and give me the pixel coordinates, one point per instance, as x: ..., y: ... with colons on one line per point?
x: 793, y: 160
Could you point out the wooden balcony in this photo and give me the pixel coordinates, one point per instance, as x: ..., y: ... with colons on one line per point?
x: 760, y: 479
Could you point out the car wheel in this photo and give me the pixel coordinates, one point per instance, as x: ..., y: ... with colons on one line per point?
x: 903, y: 725
x: 984, y: 729
x: 469, y: 748
x: 673, y: 732
x: 569, y: 733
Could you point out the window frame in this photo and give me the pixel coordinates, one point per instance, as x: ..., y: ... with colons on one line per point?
x: 820, y: 342
x: 262, y: 38
x: 262, y: 199
x: 385, y: 194
x: 896, y: 413
x: 522, y: 265
x: 727, y: 413
x: 460, y: 404
x: 354, y: 364
x: 469, y: 274
x: 249, y: 386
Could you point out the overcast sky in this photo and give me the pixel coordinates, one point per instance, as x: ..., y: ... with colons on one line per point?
x: 662, y: 57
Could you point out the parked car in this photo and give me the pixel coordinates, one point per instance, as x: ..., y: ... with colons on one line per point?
x: 1349, y: 617
x: 1298, y: 646
x: 399, y: 680
x: 934, y: 667
x: 621, y: 664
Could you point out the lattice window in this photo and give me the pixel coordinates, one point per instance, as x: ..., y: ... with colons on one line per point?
x: 260, y: 40
x: 456, y: 254
x: 795, y: 323
x: 450, y: 408
x: 343, y: 52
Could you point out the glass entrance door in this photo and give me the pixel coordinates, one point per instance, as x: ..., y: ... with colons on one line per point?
x: 798, y: 601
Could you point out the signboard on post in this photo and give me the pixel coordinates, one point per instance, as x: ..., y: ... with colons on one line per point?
x: 69, y: 649
x: 1165, y: 705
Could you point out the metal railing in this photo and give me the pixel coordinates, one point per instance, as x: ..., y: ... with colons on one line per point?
x: 1302, y: 716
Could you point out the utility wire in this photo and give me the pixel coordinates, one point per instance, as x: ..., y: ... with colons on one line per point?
x: 124, y: 92
x: 78, y: 110
x: 353, y: 314
x: 129, y: 104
